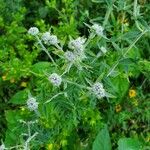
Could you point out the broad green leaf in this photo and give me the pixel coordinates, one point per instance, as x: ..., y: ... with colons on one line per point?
x: 20, y: 97
x: 129, y: 144
x: 102, y: 141
x: 41, y: 67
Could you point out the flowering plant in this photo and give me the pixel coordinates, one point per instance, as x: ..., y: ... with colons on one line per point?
x: 78, y: 90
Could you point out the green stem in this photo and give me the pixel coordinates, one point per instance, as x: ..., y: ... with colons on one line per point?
x: 129, y: 48
x: 45, y: 50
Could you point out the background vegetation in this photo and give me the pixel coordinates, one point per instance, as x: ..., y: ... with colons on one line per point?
x: 114, y: 123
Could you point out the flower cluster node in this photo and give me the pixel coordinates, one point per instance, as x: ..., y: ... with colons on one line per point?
x: 98, y: 90
x: 33, y: 31
x: 55, y: 79
x: 98, y: 29
x: 50, y: 39
x: 32, y: 104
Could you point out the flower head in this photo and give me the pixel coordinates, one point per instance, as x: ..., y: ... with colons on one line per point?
x: 32, y: 104
x: 70, y: 56
x: 49, y: 39
x: 98, y: 90
x: 55, y: 79
x: 33, y: 31
x: 77, y: 44
x: 118, y: 108
x: 132, y: 93
x: 97, y: 29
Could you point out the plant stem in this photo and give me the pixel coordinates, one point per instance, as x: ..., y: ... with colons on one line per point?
x: 129, y: 48
x: 45, y: 50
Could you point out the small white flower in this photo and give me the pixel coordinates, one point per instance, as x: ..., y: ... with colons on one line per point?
x: 98, y: 29
x: 32, y: 104
x: 33, y: 31
x: 2, y: 147
x: 70, y: 56
x: 55, y: 79
x: 103, y: 49
x: 77, y: 44
x: 49, y: 39
x: 98, y: 90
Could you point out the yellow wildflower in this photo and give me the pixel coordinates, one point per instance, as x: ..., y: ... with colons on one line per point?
x: 23, y: 84
x: 118, y: 108
x: 4, y: 77
x: 132, y: 93
x: 12, y: 80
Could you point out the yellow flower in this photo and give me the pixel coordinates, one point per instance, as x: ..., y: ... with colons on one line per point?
x: 4, y: 77
x: 118, y: 108
x: 23, y: 84
x: 12, y: 80
x: 132, y: 93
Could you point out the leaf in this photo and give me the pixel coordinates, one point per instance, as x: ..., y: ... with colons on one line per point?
x: 41, y: 67
x: 20, y: 97
x: 129, y: 144
x: 102, y: 141
x: 13, y: 127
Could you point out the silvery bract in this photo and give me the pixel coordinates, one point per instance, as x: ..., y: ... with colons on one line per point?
x: 55, y: 79
x: 33, y: 31
x: 98, y: 90
x: 97, y: 29
x: 32, y: 104
x: 49, y: 39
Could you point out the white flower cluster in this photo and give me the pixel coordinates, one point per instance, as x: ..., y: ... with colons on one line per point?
x: 33, y: 31
x: 50, y: 39
x: 98, y: 90
x: 55, y: 79
x: 32, y: 104
x: 97, y: 29
x: 77, y: 44
x: 70, y: 56
x: 2, y: 147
